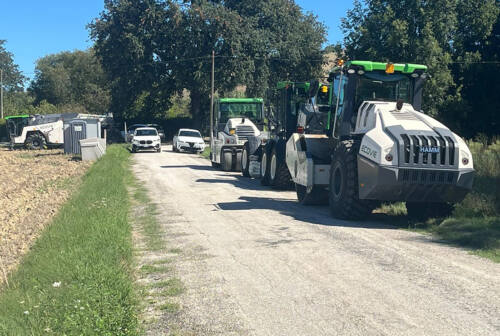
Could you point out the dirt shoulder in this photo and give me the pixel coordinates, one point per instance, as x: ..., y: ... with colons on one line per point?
x: 33, y: 185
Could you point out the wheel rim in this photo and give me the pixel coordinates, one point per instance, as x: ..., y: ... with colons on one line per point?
x: 337, y: 182
x: 273, y: 167
x: 36, y: 143
x: 263, y: 165
x: 244, y: 159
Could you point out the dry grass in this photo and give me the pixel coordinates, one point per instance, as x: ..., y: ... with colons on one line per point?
x: 33, y: 185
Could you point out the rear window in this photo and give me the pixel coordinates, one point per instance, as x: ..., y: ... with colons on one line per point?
x: 146, y: 132
x: 190, y: 134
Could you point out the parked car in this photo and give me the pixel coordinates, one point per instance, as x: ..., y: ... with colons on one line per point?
x: 131, y: 130
x: 160, y: 130
x: 188, y: 140
x: 146, y: 138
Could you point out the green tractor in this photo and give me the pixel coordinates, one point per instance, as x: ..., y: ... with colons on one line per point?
x: 299, y: 107
x: 380, y: 147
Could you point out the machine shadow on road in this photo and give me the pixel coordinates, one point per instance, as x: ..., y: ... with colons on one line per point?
x: 194, y: 167
x: 237, y: 180
x: 311, y: 214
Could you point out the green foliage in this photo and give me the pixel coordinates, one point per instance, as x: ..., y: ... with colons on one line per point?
x: 76, y: 279
x: 3, y: 129
x: 71, y: 81
x: 484, y: 200
x: 450, y: 37
x: 13, y: 79
x: 255, y: 42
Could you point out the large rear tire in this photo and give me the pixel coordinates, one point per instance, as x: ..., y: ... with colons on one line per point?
x: 264, y: 168
x: 279, y: 176
x: 237, y: 163
x: 35, y: 141
x: 426, y: 210
x: 245, y: 160
x: 344, y: 193
x: 317, y: 196
x: 227, y: 161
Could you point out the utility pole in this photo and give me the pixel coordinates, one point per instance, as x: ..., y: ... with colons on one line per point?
x: 1, y: 94
x: 212, y: 103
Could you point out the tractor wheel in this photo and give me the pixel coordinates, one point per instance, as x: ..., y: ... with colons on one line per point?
x: 245, y: 161
x: 226, y: 161
x: 35, y: 141
x: 264, y: 168
x: 318, y: 196
x: 237, y: 164
x: 279, y: 176
x: 425, y: 210
x: 344, y: 194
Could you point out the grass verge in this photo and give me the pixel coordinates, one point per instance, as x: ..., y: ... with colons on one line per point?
x: 77, y: 277
x: 206, y: 153
x: 155, y: 275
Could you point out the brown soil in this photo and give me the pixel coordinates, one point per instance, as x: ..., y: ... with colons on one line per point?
x: 33, y: 185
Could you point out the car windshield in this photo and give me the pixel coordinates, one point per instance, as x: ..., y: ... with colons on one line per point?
x: 193, y: 134
x: 146, y: 132
x: 233, y: 110
x: 384, y: 87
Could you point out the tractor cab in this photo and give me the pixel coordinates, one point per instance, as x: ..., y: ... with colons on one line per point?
x: 357, y: 82
x: 15, y: 124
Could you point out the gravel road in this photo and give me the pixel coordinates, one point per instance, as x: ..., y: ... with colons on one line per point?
x: 255, y: 262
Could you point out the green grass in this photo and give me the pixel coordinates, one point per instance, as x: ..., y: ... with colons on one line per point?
x: 87, y: 249
x: 206, y: 153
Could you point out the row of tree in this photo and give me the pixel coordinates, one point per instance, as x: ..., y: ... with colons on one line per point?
x: 152, y: 58
x: 64, y: 82
x: 154, y: 49
x: 459, y: 40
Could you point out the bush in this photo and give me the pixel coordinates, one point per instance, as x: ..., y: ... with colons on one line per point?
x: 484, y: 200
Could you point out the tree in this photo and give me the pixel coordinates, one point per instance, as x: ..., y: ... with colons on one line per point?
x: 155, y: 49
x: 13, y: 79
x: 447, y: 35
x: 73, y: 80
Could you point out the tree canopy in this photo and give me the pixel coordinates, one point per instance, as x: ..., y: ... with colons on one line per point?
x: 13, y: 79
x: 154, y: 49
x: 72, y: 80
x: 455, y: 39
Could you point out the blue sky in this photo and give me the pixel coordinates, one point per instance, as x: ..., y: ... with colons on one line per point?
x: 35, y: 28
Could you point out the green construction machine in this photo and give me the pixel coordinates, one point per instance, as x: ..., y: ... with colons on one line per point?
x: 380, y: 147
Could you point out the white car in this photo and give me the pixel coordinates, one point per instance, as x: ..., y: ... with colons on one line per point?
x: 188, y: 140
x: 146, y: 138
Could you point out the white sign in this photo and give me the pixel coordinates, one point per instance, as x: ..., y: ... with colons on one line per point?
x: 78, y: 128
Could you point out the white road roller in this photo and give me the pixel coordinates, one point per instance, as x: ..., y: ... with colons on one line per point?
x: 380, y: 146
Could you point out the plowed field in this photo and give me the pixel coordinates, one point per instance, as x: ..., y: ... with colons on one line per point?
x: 33, y: 185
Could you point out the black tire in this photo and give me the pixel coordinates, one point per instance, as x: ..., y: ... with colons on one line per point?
x: 264, y: 168
x: 35, y: 141
x: 245, y: 160
x: 279, y: 176
x: 226, y: 161
x: 318, y: 196
x: 426, y: 210
x: 174, y: 148
x: 237, y: 162
x: 344, y: 193
x: 134, y: 149
x: 159, y: 149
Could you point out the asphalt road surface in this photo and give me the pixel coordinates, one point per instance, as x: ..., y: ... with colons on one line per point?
x: 257, y: 263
